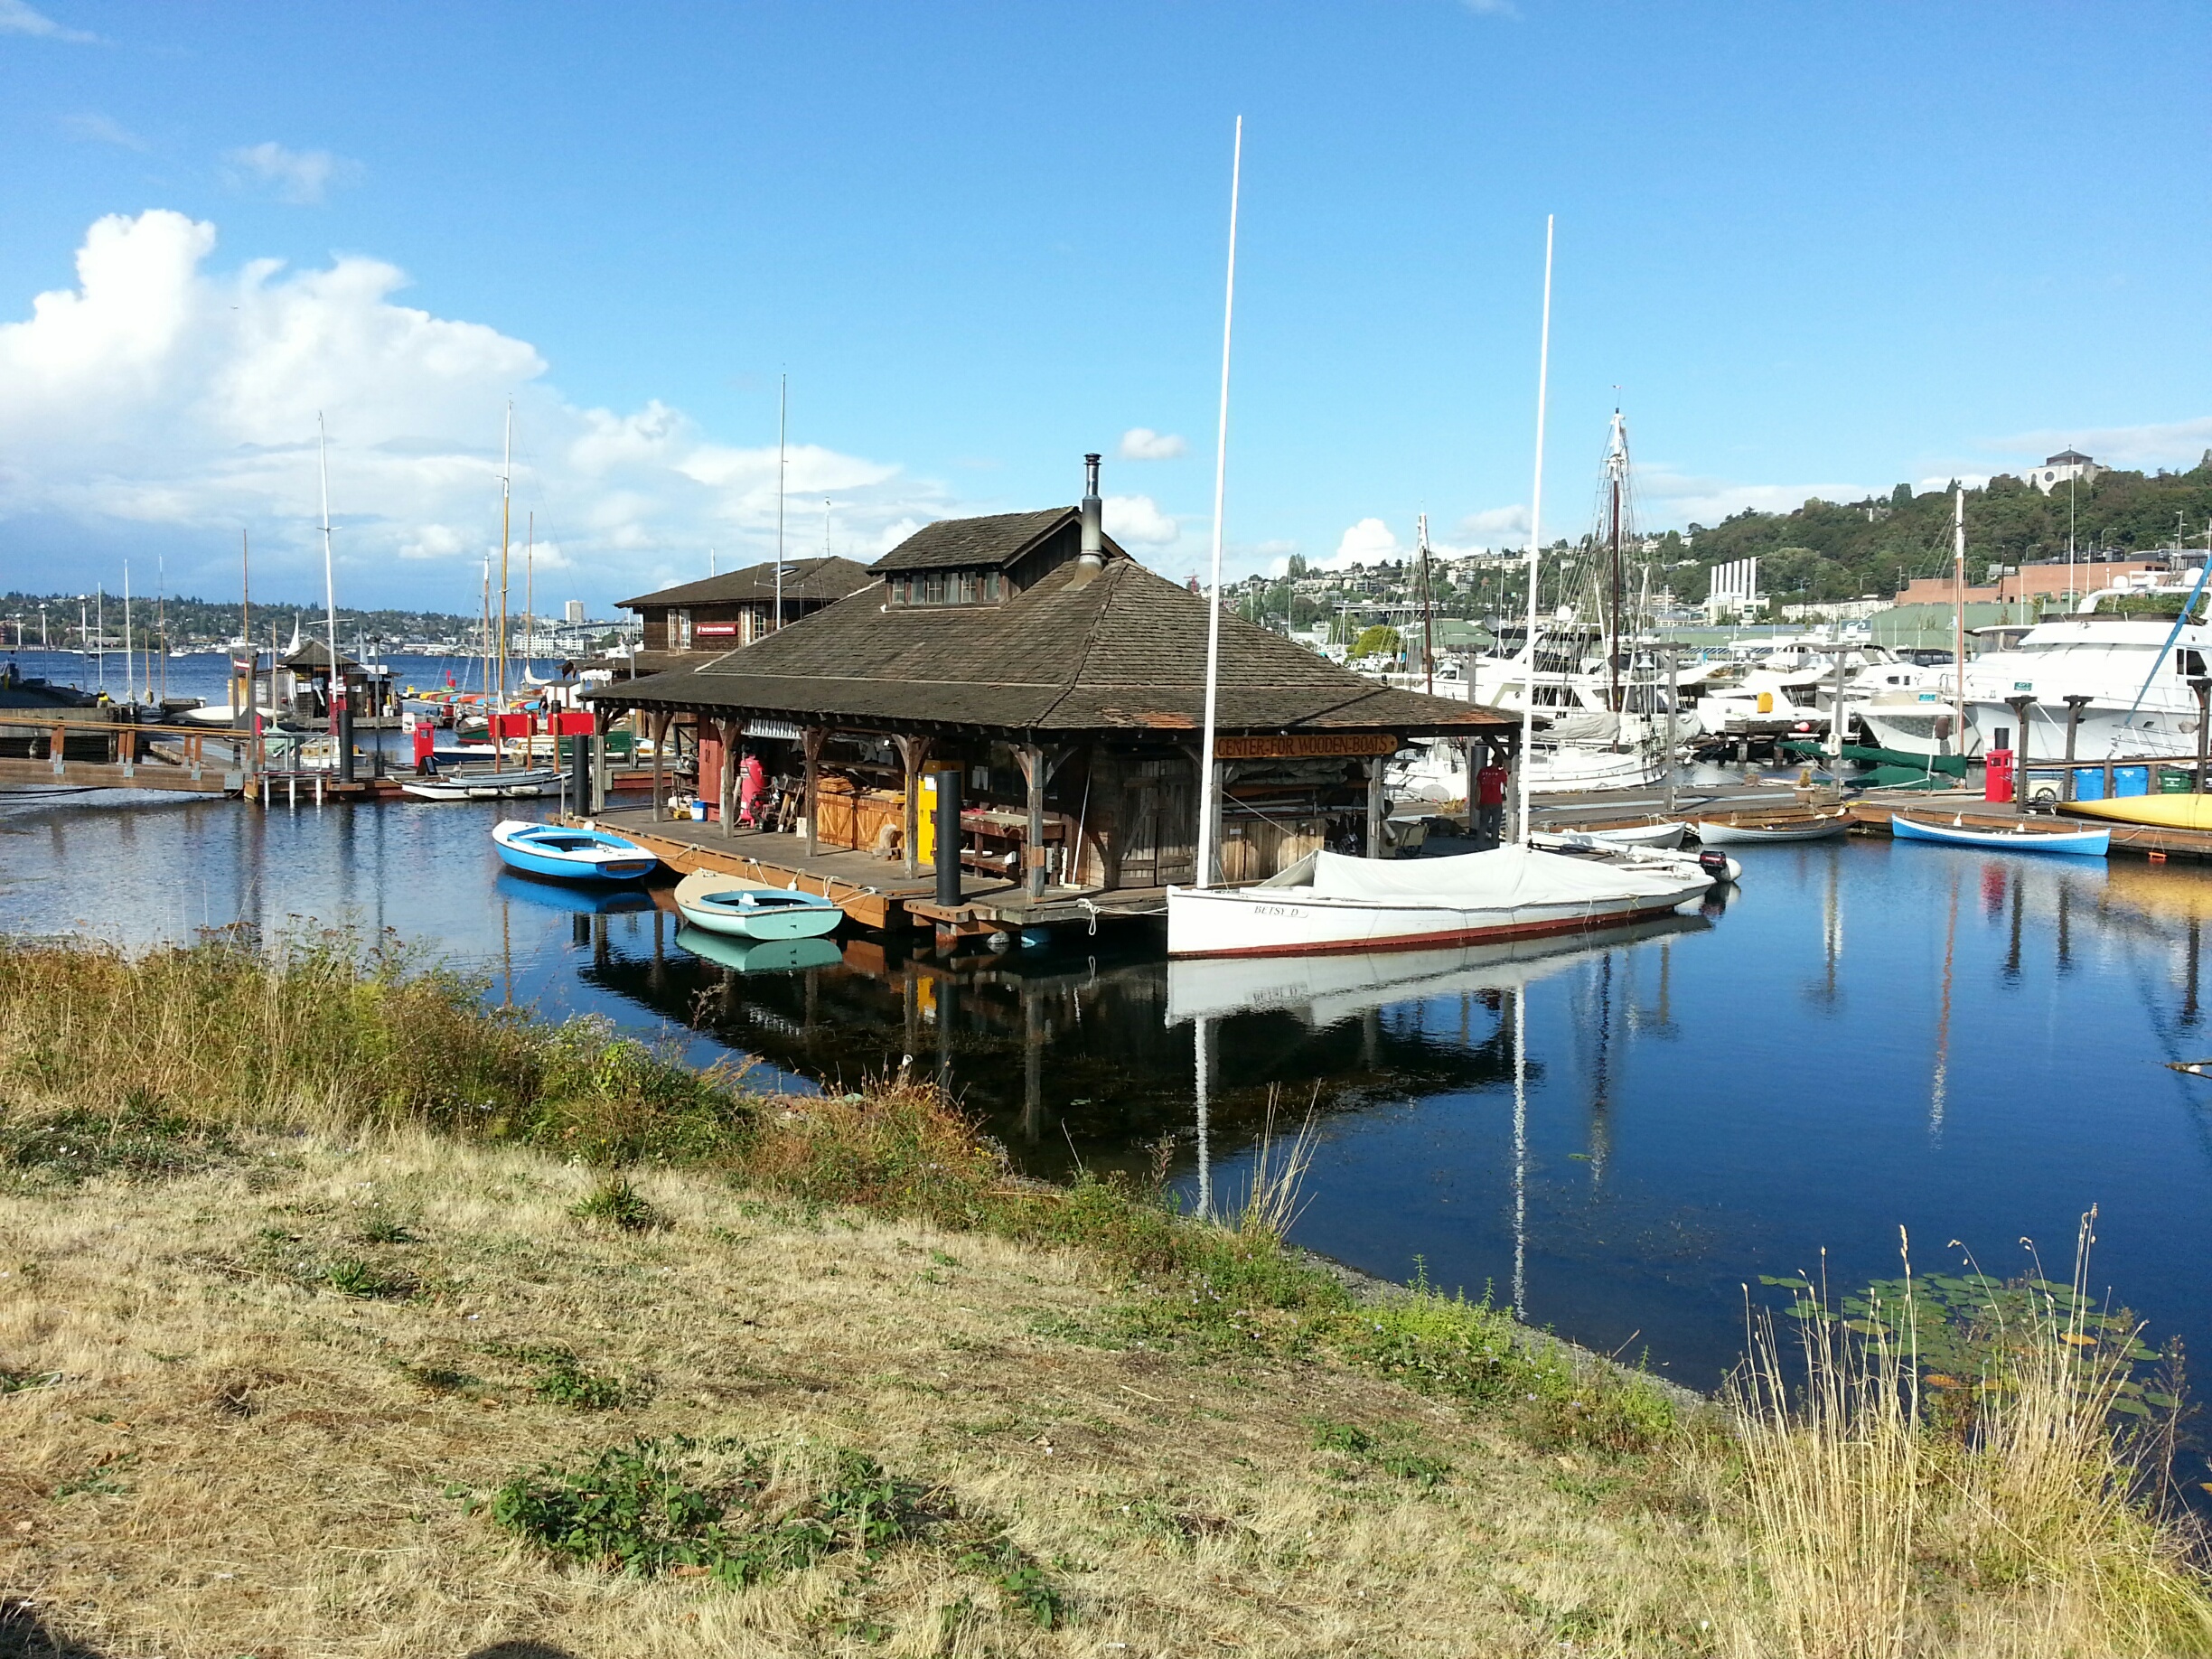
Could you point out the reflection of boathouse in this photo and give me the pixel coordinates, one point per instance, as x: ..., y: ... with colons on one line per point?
x: 1065, y: 682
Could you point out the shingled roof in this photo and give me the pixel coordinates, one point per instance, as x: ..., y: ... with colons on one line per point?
x: 804, y: 579
x: 987, y: 543
x: 1122, y: 651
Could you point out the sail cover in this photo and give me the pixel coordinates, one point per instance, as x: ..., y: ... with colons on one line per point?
x: 1503, y: 878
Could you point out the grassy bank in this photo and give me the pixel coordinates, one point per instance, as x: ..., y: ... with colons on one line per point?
x: 344, y: 1313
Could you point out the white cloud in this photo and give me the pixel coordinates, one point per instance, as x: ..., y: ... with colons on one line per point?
x: 303, y: 177
x: 93, y: 127
x: 160, y: 402
x: 1497, y: 523
x: 1143, y: 444
x: 16, y: 17
x: 2177, y: 445
x: 1667, y: 500
x: 1137, y: 518
x: 1364, y: 543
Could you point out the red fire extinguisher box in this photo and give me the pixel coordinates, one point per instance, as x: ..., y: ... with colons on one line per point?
x: 1997, y: 775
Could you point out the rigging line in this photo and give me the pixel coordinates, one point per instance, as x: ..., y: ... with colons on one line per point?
x: 2172, y: 635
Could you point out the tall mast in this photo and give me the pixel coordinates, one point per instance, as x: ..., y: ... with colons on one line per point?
x: 530, y: 587
x: 1536, y: 558
x: 1958, y: 622
x: 1616, y: 463
x: 245, y: 588
x: 506, y: 466
x: 330, y: 593
x: 782, y: 411
x: 1427, y: 608
x: 130, y: 669
x: 1204, y: 876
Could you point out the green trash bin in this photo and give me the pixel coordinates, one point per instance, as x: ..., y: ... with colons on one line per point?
x: 2174, y: 780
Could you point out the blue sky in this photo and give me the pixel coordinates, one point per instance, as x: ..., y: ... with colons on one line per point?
x: 1817, y: 250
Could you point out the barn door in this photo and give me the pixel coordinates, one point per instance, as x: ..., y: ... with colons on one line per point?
x: 1159, y: 824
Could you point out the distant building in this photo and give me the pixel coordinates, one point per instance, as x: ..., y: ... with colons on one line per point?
x: 2042, y: 579
x: 574, y: 613
x: 2058, y: 468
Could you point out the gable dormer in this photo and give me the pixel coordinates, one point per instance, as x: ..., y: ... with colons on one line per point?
x: 989, y: 560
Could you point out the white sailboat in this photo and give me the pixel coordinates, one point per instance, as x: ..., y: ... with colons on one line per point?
x: 1327, y: 903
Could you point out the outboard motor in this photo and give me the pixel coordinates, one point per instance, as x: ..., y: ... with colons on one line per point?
x: 1714, y: 863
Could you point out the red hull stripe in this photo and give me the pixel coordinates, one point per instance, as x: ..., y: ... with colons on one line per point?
x: 1416, y: 942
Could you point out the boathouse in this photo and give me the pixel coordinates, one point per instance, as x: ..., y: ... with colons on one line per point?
x: 297, y: 687
x: 699, y: 620
x: 1065, y: 682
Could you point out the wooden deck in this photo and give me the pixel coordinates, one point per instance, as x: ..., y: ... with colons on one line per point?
x: 877, y: 892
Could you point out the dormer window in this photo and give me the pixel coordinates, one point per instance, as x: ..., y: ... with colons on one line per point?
x: 944, y: 587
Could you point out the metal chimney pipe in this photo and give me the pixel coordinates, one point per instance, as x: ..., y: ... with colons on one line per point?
x: 1093, y: 518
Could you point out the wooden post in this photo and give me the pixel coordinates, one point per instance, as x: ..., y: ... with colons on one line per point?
x: 813, y: 737
x: 2074, y: 708
x: 1032, y: 758
x: 731, y: 731
x: 2202, y: 685
x: 913, y: 754
x: 1222, y: 772
x: 659, y: 743
x: 1375, y: 769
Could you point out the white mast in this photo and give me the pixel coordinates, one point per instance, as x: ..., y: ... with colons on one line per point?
x: 1535, y: 556
x: 130, y: 671
x: 336, y: 681
x: 1204, y: 876
x: 1958, y: 624
x: 782, y: 410
x: 506, y: 468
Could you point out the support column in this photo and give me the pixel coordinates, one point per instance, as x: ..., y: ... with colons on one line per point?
x: 659, y: 743
x: 813, y: 737
x: 948, y: 862
x: 1375, y: 771
x: 1032, y: 759
x: 731, y: 732
x: 2074, y: 713
x: 2020, y: 706
x: 2202, y: 686
x: 913, y: 754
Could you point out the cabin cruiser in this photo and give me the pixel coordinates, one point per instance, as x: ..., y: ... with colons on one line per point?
x: 2113, y: 653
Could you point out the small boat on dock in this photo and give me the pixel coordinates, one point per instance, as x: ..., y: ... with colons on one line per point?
x: 1327, y: 901
x: 720, y: 903
x: 1748, y: 830
x: 2026, y: 837
x: 485, y: 783
x: 2190, y: 812
x: 570, y: 855
x: 1653, y: 832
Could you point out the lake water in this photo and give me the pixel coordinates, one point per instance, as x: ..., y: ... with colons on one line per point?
x: 1867, y: 1036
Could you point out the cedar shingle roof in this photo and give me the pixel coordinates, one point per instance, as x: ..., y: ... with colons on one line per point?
x: 1124, y: 652
x: 993, y: 542
x: 803, y: 578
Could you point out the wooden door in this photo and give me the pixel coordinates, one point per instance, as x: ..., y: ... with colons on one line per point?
x: 1159, y: 824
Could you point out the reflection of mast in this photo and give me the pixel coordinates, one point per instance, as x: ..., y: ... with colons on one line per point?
x: 1601, y: 1075
x: 1832, y: 933
x: 1943, y: 1024
x: 1203, y: 1065
x: 2012, y: 955
x: 2189, y: 1010
x: 1520, y: 1169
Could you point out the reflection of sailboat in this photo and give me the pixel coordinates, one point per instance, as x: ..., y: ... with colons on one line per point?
x: 760, y: 955
x: 1940, y: 1085
x: 1324, y: 989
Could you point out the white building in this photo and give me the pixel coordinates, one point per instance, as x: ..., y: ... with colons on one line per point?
x: 2058, y: 468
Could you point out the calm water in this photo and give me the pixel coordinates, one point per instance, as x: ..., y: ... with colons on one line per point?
x: 1868, y: 1036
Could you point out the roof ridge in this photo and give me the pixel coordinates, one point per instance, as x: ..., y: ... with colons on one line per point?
x: 1110, y: 570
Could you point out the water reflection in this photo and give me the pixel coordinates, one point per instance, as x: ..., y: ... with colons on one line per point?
x: 1617, y: 1133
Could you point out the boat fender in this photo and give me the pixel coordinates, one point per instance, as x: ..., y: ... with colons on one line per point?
x: 1714, y: 864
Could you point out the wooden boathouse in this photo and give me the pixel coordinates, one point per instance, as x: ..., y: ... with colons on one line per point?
x: 693, y: 622
x: 1064, y: 682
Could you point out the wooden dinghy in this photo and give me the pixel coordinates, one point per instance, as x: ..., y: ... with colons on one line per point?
x: 1748, y: 830
x: 2025, y: 838
x: 724, y: 905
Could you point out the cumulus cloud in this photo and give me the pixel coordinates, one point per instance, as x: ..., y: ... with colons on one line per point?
x: 303, y: 177
x: 16, y: 17
x: 1669, y: 500
x: 162, y: 402
x: 2176, y: 444
x: 1143, y: 444
x: 1137, y: 518
x: 93, y: 127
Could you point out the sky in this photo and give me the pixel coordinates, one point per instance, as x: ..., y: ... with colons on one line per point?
x: 1808, y: 251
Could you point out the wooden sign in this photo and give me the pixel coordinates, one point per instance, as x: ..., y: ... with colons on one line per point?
x: 1305, y: 745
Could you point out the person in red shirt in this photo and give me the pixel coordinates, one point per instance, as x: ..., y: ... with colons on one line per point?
x: 1489, y: 803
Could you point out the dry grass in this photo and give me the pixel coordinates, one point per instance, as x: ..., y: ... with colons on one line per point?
x: 313, y: 1272
x: 2015, y: 1527
x: 237, y: 1460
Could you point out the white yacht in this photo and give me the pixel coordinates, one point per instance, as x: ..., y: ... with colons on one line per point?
x: 2114, y: 652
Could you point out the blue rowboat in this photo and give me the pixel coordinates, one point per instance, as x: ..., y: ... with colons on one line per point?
x: 724, y: 905
x: 760, y: 955
x: 570, y: 855
x: 2079, y: 843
